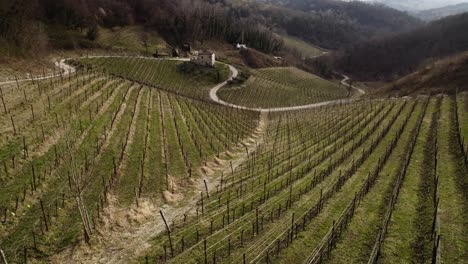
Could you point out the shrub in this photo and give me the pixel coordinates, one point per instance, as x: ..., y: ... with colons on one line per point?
x: 92, y: 33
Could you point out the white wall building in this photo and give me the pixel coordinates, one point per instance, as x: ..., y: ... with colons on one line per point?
x: 241, y: 46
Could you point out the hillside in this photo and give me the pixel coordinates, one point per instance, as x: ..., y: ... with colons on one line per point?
x: 73, y: 24
x: 178, y: 77
x: 301, y: 48
x: 118, y: 146
x: 441, y: 12
x: 444, y: 76
x: 397, y: 55
x: 417, y: 5
x: 282, y: 87
x: 335, y: 24
x: 374, y: 17
x: 131, y: 38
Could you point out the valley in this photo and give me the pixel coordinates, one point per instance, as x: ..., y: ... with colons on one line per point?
x: 231, y: 131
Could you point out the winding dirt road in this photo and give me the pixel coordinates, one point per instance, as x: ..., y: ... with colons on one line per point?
x: 214, y: 97
x: 120, y: 244
x: 68, y: 69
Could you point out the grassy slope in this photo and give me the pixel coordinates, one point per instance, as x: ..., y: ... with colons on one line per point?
x: 282, y: 86
x: 453, y: 198
x: 23, y: 68
x: 406, y: 225
x: 362, y: 231
x: 131, y: 39
x: 86, y: 94
x: 443, y: 76
x: 305, y: 49
x: 183, y: 78
x: 125, y: 39
x: 321, y: 224
x: 463, y: 115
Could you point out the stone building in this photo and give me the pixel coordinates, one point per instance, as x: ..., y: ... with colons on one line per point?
x: 205, y: 58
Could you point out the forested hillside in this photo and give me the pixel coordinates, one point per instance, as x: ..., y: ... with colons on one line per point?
x: 417, y: 4
x: 438, y: 13
x: 368, y: 16
x: 393, y: 56
x: 334, y: 24
x: 38, y: 25
x: 67, y: 24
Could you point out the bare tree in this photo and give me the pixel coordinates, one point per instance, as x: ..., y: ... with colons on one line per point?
x: 145, y: 39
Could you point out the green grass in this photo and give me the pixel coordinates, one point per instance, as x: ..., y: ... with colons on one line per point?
x: 153, y: 168
x: 49, y: 192
x: 453, y: 196
x: 131, y: 38
x: 363, y: 227
x: 305, y: 49
x: 183, y: 78
x: 462, y: 100
x: 255, y: 194
x: 408, y: 236
x: 132, y: 166
x: 78, y: 101
x: 300, y: 154
x: 280, y: 87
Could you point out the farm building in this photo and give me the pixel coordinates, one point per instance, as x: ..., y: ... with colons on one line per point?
x: 205, y: 58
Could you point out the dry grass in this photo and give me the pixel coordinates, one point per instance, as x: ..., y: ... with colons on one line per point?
x: 305, y: 49
x: 131, y: 39
x: 23, y: 68
x: 443, y: 76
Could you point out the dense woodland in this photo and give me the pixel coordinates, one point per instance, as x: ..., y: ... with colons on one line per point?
x: 438, y: 13
x: 61, y: 23
x: 376, y: 42
x: 329, y: 24
x: 71, y: 23
x: 393, y: 56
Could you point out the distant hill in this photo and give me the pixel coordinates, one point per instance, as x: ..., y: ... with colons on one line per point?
x: 334, y: 24
x: 438, y: 13
x: 417, y: 5
x: 400, y: 54
x: 444, y: 76
x: 34, y: 26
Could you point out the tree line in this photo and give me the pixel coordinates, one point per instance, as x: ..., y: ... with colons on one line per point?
x: 397, y: 55
x: 330, y: 24
x: 334, y: 24
x: 177, y: 21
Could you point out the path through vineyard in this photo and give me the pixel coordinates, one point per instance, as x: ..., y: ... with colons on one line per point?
x: 125, y: 233
x: 120, y: 241
x: 214, y: 97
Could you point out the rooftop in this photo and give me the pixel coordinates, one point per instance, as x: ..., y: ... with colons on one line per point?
x: 206, y: 52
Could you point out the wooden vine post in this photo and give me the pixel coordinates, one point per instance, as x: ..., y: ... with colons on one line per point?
x: 168, y: 229
x: 3, y: 257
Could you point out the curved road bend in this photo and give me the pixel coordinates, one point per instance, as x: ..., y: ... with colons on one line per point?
x: 214, y: 97
x: 68, y: 69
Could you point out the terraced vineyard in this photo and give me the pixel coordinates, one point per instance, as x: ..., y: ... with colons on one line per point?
x: 90, y: 140
x: 348, y: 184
x: 281, y: 87
x: 111, y: 165
x: 174, y: 76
